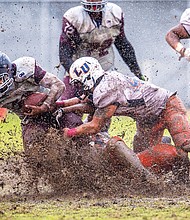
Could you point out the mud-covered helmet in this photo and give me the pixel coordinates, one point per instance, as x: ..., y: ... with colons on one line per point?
x: 6, y: 81
x: 93, y: 6
x: 86, y: 70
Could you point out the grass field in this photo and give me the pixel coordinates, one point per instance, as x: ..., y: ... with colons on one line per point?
x: 11, y: 141
x: 125, y: 209
x: 132, y: 208
x: 10, y: 135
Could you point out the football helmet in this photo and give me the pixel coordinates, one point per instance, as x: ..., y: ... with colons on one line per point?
x: 6, y: 81
x: 86, y: 71
x: 96, y: 6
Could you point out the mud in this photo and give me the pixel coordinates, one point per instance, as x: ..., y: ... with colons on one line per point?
x: 73, y: 168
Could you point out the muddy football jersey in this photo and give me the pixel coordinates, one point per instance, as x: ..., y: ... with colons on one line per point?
x: 97, y: 39
x: 29, y: 78
x: 135, y: 98
x: 185, y: 20
x: 23, y: 82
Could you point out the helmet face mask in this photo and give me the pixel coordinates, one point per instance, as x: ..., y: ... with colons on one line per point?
x: 91, y: 6
x: 6, y: 81
x: 84, y: 72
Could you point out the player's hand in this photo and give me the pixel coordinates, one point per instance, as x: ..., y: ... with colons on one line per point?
x: 3, y: 114
x: 60, y: 103
x: 32, y: 110
x: 65, y: 136
x: 185, y: 52
x: 68, y: 133
x: 144, y: 78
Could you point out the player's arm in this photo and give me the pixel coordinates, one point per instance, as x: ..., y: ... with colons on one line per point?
x: 173, y: 37
x: 71, y: 101
x: 55, y: 86
x: 69, y: 39
x: 79, y: 108
x: 127, y: 52
x: 95, y: 125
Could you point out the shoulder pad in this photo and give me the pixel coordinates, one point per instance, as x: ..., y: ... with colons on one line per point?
x: 25, y: 67
x: 73, y: 14
x: 185, y: 16
x: 115, y: 10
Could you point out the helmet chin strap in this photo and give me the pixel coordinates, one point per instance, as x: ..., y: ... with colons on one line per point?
x: 98, y: 81
x: 88, y: 92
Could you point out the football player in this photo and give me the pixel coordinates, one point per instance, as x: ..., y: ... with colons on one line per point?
x: 18, y: 80
x: 92, y: 29
x: 153, y: 108
x: 179, y: 32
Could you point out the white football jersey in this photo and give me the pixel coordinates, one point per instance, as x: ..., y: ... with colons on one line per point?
x: 135, y: 98
x: 185, y: 20
x: 97, y: 41
x: 30, y: 78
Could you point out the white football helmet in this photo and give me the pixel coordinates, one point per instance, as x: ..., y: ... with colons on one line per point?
x: 86, y: 71
x: 91, y: 6
x: 6, y: 81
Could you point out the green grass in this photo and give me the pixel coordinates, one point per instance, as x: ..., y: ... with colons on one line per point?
x: 131, y: 209
x: 124, y: 127
x: 11, y: 141
x: 10, y: 135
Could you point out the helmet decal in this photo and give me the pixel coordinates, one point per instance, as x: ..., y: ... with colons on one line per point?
x: 86, y: 71
x: 85, y: 68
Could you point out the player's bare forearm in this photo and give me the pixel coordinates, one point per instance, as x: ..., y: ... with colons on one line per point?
x: 106, y: 112
x: 71, y: 101
x: 68, y: 102
x: 79, y: 108
x: 98, y: 120
x: 95, y: 125
x: 174, y: 36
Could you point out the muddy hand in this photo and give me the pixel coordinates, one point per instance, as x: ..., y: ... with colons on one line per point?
x: 34, y: 110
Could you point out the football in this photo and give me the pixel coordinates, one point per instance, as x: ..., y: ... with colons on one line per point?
x: 35, y: 99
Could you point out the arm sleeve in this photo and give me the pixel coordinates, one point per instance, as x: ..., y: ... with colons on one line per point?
x: 50, y: 81
x: 185, y: 20
x: 69, y: 39
x: 127, y: 52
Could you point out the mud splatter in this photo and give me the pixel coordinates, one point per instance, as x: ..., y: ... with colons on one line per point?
x: 58, y: 167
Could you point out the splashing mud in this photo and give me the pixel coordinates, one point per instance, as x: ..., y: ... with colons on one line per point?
x: 58, y: 167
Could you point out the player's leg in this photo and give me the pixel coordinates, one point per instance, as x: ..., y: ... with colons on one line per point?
x: 147, y: 135
x: 119, y: 153
x: 176, y: 119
